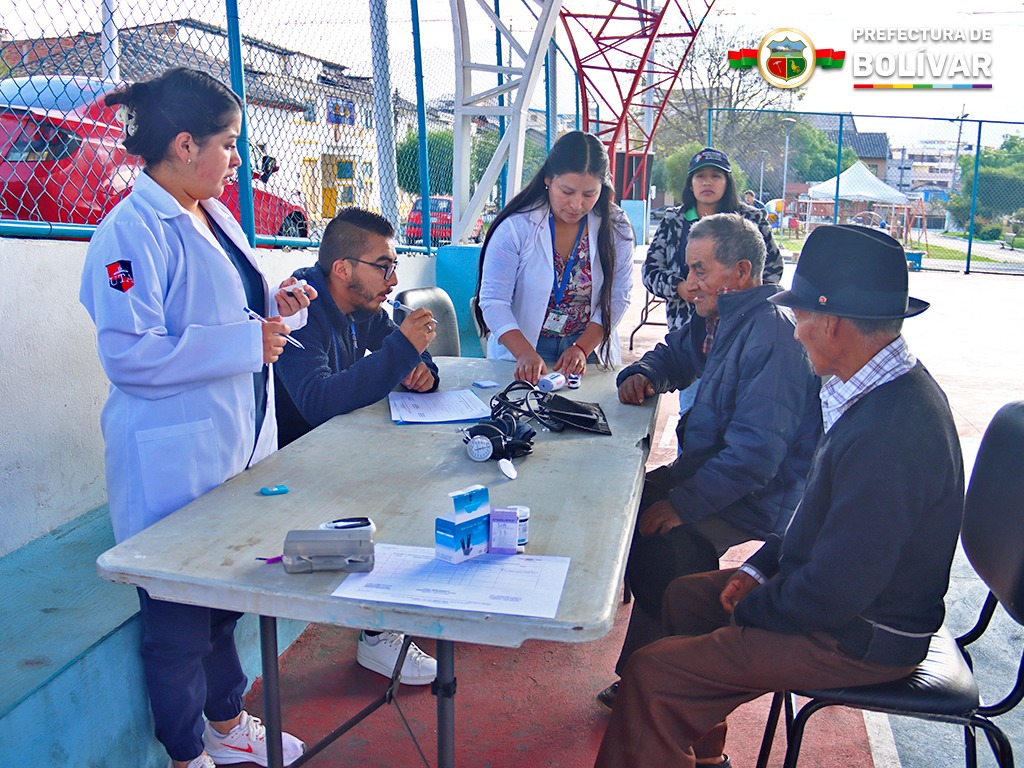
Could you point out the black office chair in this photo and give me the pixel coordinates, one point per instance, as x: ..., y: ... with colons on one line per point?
x: 943, y: 687
x: 446, y: 343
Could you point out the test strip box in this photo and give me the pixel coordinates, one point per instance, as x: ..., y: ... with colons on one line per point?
x: 504, y: 530
x: 463, y: 533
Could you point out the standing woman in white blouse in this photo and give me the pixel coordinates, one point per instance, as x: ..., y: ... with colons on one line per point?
x: 167, y: 278
x: 556, y: 267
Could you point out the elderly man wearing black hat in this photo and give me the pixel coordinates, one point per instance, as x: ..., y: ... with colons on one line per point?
x: 853, y: 591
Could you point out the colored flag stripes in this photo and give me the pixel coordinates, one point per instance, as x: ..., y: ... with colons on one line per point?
x: 744, y: 58
x: 829, y: 59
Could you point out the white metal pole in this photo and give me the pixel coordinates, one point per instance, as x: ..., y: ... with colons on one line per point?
x: 383, y: 112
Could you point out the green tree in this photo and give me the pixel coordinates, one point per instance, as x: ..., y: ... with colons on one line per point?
x: 1000, y: 182
x: 440, y: 154
x: 812, y: 156
x: 485, y: 144
x: 674, y: 167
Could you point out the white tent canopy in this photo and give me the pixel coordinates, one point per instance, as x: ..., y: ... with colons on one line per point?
x: 859, y: 184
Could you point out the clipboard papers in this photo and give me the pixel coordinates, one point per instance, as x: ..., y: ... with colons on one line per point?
x: 437, y: 407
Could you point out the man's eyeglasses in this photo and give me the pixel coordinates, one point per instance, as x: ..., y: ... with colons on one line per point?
x: 388, y: 269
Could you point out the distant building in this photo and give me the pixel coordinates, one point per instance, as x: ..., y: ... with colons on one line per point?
x: 932, y: 166
x: 872, y: 149
x: 309, y: 113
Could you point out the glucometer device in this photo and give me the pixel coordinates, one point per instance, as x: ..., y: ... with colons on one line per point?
x: 345, y: 544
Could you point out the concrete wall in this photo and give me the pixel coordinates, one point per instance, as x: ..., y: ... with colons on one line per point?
x: 53, y: 388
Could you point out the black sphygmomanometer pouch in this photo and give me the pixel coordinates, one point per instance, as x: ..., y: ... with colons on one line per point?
x: 587, y: 416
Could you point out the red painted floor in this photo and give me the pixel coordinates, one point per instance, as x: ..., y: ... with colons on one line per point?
x: 515, y: 708
x: 519, y: 707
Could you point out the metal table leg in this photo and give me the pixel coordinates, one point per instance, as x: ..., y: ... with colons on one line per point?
x: 444, y: 689
x: 272, y: 701
x: 271, y: 691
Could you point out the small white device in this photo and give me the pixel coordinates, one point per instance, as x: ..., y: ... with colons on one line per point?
x: 550, y: 382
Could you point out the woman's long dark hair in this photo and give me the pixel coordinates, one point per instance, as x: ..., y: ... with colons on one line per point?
x: 730, y: 202
x: 179, y: 100
x: 574, y: 152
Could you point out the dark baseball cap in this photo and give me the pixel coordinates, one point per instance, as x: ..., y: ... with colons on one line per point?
x: 708, y: 156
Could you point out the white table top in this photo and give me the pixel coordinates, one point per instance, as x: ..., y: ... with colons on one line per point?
x: 582, y: 489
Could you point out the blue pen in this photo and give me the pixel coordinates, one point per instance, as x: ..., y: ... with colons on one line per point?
x: 258, y: 316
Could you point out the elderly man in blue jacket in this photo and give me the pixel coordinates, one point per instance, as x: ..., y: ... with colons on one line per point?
x: 353, y: 356
x: 852, y: 594
x: 748, y: 440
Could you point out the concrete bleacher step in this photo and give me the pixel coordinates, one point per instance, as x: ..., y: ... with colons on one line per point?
x: 74, y: 692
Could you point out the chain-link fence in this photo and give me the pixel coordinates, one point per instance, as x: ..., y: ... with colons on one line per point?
x: 338, y: 113
x: 952, y: 190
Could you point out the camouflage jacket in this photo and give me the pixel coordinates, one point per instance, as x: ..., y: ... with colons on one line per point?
x: 665, y: 266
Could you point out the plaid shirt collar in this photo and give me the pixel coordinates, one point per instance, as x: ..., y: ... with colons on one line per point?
x: 711, y: 324
x: 837, y: 396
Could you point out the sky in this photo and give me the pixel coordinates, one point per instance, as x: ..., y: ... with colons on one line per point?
x: 308, y: 26
x: 833, y: 25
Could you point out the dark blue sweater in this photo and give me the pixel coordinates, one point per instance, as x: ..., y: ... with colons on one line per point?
x: 756, y: 419
x: 333, y: 374
x: 867, y: 556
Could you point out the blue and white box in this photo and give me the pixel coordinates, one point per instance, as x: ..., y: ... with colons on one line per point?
x: 463, y: 533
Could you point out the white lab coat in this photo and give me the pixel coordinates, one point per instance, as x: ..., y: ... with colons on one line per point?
x: 180, y: 354
x: 518, y: 275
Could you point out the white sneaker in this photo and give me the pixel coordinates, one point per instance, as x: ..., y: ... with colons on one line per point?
x: 382, y: 655
x: 247, y: 743
x: 203, y: 761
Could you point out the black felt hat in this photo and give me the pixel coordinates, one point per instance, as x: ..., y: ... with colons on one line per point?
x: 851, y: 271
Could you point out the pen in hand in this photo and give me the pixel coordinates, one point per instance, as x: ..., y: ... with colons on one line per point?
x: 258, y: 316
x: 407, y: 309
x: 399, y: 305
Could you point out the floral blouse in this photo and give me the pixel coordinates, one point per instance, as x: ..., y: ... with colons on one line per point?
x: 576, y: 300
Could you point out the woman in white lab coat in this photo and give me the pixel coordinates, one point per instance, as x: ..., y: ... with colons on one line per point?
x: 167, y: 277
x: 557, y: 266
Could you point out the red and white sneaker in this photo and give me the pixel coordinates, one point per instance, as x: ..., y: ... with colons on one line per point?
x: 247, y: 743
x: 203, y: 761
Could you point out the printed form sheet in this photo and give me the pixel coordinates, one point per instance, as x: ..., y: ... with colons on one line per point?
x: 436, y: 407
x: 519, y: 585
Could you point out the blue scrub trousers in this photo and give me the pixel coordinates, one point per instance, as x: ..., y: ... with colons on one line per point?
x: 192, y: 667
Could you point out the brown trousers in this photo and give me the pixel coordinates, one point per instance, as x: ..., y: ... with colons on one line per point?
x: 676, y: 693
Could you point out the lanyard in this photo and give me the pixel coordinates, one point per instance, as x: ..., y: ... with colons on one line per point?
x: 560, y: 288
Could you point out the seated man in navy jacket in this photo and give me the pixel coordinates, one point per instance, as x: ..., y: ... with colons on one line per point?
x: 852, y: 593
x: 748, y: 439
x: 354, y: 273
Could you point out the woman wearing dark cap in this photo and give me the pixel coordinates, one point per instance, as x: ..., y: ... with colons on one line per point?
x: 710, y: 188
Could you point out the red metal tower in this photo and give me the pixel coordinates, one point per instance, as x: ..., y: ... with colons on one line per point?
x: 613, y: 58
